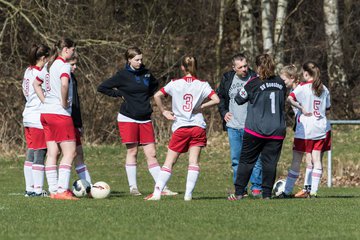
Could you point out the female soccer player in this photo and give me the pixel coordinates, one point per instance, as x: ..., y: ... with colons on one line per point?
x: 265, y: 126
x: 189, y: 134
x: 80, y: 166
x: 312, y: 133
x: 34, y: 133
x: 57, y: 122
x: 135, y: 85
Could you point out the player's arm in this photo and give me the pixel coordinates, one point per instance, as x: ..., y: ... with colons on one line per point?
x: 110, y: 87
x: 294, y: 103
x: 242, y: 96
x: 214, y: 99
x: 159, y: 95
x: 64, y: 91
x: 38, y: 89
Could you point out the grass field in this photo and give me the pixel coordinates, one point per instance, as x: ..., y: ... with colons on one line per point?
x: 334, y: 215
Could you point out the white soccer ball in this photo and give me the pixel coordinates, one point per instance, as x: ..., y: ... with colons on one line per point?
x: 279, y: 187
x: 81, y: 188
x: 100, y: 190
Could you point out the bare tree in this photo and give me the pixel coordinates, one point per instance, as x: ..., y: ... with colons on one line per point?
x: 279, y: 33
x: 220, y: 38
x: 266, y: 25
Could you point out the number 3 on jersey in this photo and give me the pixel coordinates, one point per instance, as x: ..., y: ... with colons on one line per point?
x: 188, y: 102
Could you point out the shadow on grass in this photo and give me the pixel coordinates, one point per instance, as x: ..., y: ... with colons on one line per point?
x: 340, y: 196
x: 117, y: 194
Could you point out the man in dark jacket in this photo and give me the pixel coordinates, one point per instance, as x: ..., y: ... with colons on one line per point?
x: 234, y: 115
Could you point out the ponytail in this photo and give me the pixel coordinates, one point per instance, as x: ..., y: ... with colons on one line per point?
x: 58, y: 47
x: 36, y: 52
x: 314, y: 71
x: 190, y: 65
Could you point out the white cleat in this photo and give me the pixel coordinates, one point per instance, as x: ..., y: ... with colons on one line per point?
x: 152, y: 197
x: 135, y: 192
x: 167, y: 192
x: 187, y: 198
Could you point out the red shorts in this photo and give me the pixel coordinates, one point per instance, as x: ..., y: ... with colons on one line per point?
x: 132, y: 132
x: 58, y: 128
x: 327, y: 143
x: 35, y: 138
x: 78, y: 137
x: 308, y: 145
x: 184, y: 138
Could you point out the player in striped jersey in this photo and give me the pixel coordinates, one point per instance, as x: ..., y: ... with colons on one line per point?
x: 312, y: 134
x: 34, y: 133
x: 57, y: 122
x: 188, y: 94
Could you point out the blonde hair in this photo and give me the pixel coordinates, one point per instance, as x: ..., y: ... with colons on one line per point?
x: 190, y: 65
x: 291, y: 72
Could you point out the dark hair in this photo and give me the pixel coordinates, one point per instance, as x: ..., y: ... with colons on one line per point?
x: 238, y: 56
x: 74, y: 57
x: 265, y: 66
x: 314, y: 71
x: 36, y: 52
x: 58, y: 47
x: 131, y: 52
x: 190, y: 64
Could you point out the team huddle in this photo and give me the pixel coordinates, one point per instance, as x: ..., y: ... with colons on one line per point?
x: 252, y: 106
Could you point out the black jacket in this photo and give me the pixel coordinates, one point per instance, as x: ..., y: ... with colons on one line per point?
x: 223, y: 93
x: 75, y: 108
x: 136, y: 87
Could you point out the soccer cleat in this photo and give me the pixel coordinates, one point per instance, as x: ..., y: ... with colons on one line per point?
x: 28, y: 194
x: 167, y: 192
x: 187, y: 198
x: 283, y: 195
x: 233, y: 197
x: 42, y: 194
x: 312, y: 195
x: 303, y: 193
x: 67, y: 195
x: 135, y: 192
x: 256, y: 193
x: 152, y: 197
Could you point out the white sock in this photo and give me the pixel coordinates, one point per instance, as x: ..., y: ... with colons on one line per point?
x: 161, y: 181
x: 154, y: 170
x: 131, y: 174
x: 192, y: 177
x: 64, y: 177
x: 315, y: 180
x: 38, y: 176
x: 29, y: 181
x: 83, y: 172
x: 52, y: 178
x: 290, y: 181
x: 308, y: 172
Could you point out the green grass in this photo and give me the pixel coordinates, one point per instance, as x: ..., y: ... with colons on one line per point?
x: 335, y: 215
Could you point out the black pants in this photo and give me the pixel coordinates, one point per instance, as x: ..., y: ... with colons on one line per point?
x: 270, y: 151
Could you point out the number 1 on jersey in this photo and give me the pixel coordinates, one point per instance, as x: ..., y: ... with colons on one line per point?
x: 272, y: 98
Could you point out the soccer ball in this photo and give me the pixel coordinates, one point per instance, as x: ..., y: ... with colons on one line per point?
x: 100, y: 190
x: 81, y: 188
x: 279, y: 187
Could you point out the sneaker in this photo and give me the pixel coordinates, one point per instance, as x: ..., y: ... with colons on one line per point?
x: 42, y: 194
x: 187, y: 198
x: 303, y: 193
x: 135, y: 192
x: 233, y: 197
x: 167, y: 192
x: 152, y: 197
x: 283, y: 195
x: 256, y: 193
x: 67, y: 195
x: 312, y: 195
x: 28, y: 194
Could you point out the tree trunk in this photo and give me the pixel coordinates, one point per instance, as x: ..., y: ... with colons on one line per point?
x: 219, y: 40
x: 247, y: 30
x: 266, y: 26
x: 338, y: 80
x: 279, y: 33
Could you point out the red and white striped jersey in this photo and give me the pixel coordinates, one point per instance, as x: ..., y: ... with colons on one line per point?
x: 59, y: 68
x: 31, y: 113
x: 187, y: 94
x: 315, y: 126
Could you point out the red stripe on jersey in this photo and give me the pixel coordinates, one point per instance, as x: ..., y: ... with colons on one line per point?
x: 262, y: 136
x: 292, y: 95
x: 163, y: 91
x: 65, y: 75
x: 304, y: 83
x: 35, y: 67
x: 60, y: 58
x: 39, y: 79
x: 212, y: 93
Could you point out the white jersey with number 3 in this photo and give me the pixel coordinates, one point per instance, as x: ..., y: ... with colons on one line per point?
x: 315, y: 126
x: 60, y: 68
x: 187, y: 94
x: 31, y: 113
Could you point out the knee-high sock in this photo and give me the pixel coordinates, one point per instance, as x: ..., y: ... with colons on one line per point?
x: 83, y: 172
x: 192, y: 177
x: 308, y: 173
x: 64, y: 177
x: 52, y: 178
x: 162, y: 180
x: 315, y: 180
x: 154, y: 170
x: 38, y: 176
x: 290, y: 181
x: 131, y: 174
x: 29, y: 181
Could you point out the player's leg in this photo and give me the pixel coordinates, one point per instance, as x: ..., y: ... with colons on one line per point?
x: 51, y: 171
x: 304, y: 193
x: 68, y: 149
x: 29, y: 182
x: 293, y: 173
x: 256, y: 179
x: 80, y: 166
x: 131, y: 167
x: 38, y: 170
x: 316, y: 173
x: 193, y: 171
